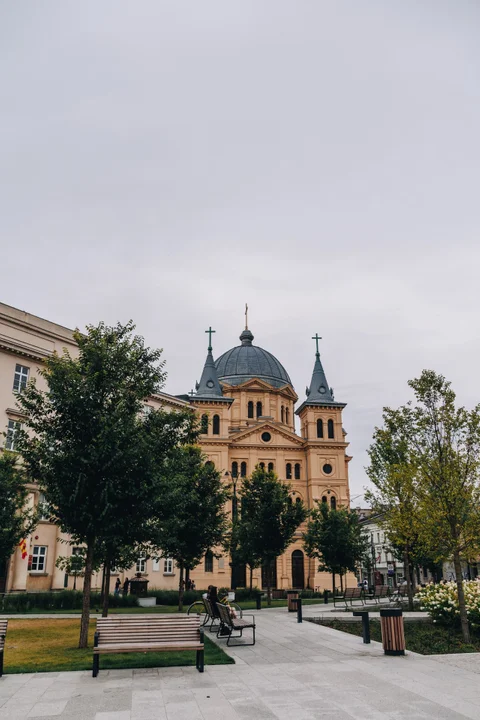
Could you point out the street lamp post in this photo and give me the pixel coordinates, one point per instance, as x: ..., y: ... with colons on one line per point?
x: 233, y: 549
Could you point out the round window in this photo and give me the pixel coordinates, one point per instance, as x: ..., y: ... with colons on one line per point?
x: 210, y: 383
x: 327, y: 469
x: 322, y: 389
x: 266, y: 437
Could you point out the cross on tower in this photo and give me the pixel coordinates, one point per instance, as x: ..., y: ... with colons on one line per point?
x: 210, y: 331
x: 317, y: 337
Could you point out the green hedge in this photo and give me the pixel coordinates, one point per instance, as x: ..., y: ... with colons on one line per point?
x: 62, y: 600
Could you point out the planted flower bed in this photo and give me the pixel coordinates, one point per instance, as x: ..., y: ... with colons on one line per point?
x: 441, y: 603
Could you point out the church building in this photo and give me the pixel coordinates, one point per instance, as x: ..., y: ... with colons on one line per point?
x: 246, y: 402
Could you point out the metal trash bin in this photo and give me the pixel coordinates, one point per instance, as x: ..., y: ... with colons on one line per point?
x: 393, y: 634
x: 292, y: 595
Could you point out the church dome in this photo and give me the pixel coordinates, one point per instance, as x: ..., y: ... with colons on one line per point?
x: 247, y: 361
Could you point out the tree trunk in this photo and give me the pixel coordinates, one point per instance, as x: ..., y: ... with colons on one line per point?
x: 269, y: 583
x: 75, y: 581
x: 102, y: 591
x: 461, y: 597
x: 251, y: 578
x: 106, y: 592
x: 408, y: 578
x: 333, y: 583
x: 341, y: 582
x: 180, y: 589
x: 187, y: 577
x: 87, y: 586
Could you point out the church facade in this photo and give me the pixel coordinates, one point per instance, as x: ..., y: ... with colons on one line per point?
x: 246, y: 404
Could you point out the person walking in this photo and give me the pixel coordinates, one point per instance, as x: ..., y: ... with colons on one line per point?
x: 117, y: 587
x: 125, y: 586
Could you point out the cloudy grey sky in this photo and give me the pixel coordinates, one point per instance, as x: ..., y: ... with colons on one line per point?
x: 318, y: 159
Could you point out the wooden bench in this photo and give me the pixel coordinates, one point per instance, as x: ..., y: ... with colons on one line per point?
x: 148, y: 633
x: 228, y: 625
x: 3, y: 633
x: 350, y: 595
x: 212, y: 615
x: 399, y: 594
x: 380, y: 592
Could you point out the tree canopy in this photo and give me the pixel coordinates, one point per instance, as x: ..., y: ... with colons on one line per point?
x: 17, y: 518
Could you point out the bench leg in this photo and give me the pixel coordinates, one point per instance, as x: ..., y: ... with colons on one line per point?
x: 96, y: 665
x: 1, y: 663
x: 240, y: 636
x: 200, y: 660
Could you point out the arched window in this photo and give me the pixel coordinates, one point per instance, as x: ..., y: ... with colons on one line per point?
x: 290, y: 501
x: 270, y: 467
x: 298, y: 500
x: 262, y: 465
x: 234, y: 469
x: 204, y: 424
x: 333, y: 503
x: 282, y: 414
x: 216, y: 424
x: 209, y: 561
x: 250, y: 409
x: 287, y: 416
x: 288, y: 471
x: 331, y: 434
x: 259, y: 409
x: 243, y: 469
x: 324, y: 498
x: 319, y: 428
x: 297, y: 471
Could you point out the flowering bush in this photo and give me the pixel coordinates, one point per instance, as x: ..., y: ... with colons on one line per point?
x: 441, y: 602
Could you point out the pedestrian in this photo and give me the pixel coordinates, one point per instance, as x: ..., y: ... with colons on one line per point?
x: 189, y: 584
x: 117, y: 587
x: 125, y: 586
x: 192, y: 586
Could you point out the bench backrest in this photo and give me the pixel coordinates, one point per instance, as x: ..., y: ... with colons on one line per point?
x: 211, y: 609
x: 3, y: 632
x: 351, y: 593
x: 121, y: 629
x: 224, y: 613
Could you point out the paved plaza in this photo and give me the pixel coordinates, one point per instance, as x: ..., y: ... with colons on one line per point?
x: 294, y: 672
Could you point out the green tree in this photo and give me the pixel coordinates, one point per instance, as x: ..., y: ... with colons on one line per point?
x: 17, y: 519
x: 394, y: 498
x: 72, y: 565
x: 88, y: 444
x: 336, y: 538
x: 268, y: 519
x: 190, y: 518
x: 444, y: 458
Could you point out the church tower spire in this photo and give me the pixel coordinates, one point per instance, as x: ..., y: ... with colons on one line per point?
x: 209, y: 387
x: 318, y: 393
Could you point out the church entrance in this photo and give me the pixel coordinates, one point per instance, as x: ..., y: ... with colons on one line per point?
x: 273, y: 570
x: 298, y: 572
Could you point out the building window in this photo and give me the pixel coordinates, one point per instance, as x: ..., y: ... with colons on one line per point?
x: 297, y: 471
x: 156, y: 565
x: 266, y: 437
x: 298, y: 500
x: 270, y: 467
x: 327, y: 469
x: 141, y: 564
x: 216, y: 424
x: 12, y: 431
x: 250, y: 409
x: 259, y: 409
x: 39, y: 558
x: 235, y: 469
x: 221, y: 563
x: 333, y: 503
x: 243, y: 469
x: 288, y: 471
x: 20, y: 378
x: 168, y: 566
x: 262, y: 466
x: 319, y: 428
x: 282, y: 414
x: 324, y: 498
x: 331, y: 434
x: 204, y: 424
x: 287, y: 416
x: 209, y: 561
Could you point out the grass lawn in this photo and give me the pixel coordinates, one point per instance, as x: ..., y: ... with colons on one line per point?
x: 51, y: 645
x: 420, y: 637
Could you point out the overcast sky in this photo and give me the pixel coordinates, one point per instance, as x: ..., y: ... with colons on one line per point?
x: 170, y: 161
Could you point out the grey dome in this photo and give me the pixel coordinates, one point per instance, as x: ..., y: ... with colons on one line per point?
x: 247, y: 361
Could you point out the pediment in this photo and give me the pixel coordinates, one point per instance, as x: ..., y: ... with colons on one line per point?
x: 280, y: 436
x: 259, y: 384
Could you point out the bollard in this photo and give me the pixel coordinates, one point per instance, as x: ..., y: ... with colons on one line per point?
x: 365, y: 624
x: 325, y: 597
x: 393, y: 636
x: 259, y: 601
x: 298, y: 603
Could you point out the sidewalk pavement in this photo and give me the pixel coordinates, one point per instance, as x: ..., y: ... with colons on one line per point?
x: 295, y: 672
